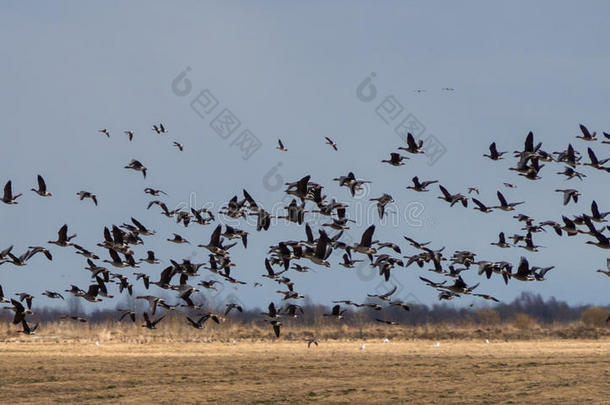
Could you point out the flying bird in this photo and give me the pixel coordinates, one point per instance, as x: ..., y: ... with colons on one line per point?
x: 331, y: 143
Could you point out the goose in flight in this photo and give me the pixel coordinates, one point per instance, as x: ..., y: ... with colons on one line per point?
x: 387, y: 321
x: 348, y: 302
x: 473, y: 190
x: 84, y: 252
x: 103, y: 291
x: 336, y: 312
x: 27, y: 330
x: 586, y: 135
x: 91, y: 294
x: 53, y: 294
x: 524, y: 273
x: 365, y: 243
x: 276, y: 324
x: 129, y: 134
x: 215, y: 246
x: 127, y: 312
x: 231, y: 306
x: 331, y: 143
x: 400, y: 304
x: 348, y: 262
x: 416, y: 244
x: 27, y: 297
x: 201, y: 321
x: 493, y: 152
x: 87, y: 194
x: 150, y: 258
x: 3, y: 299
x: 569, y: 194
x: 300, y: 268
x: 63, y: 239
x: 540, y: 272
x: 382, y: 201
x: 17, y: 261
x: 602, y: 241
x: 570, y: 173
x: 432, y: 283
x: 596, y: 215
x: 385, y: 296
x: 453, y: 198
x: 178, y: 239
x: 8, y: 197
x: 104, y: 131
x: 42, y: 188
x: 164, y: 210
x: 20, y: 311
x: 271, y: 274
x: 159, y: 129
x: 38, y: 249
x: 568, y: 156
x: 281, y: 146
x: 234, y: 233
x: 290, y: 295
x: 271, y: 311
x: 412, y: 146
x: 395, y: 159
x: 482, y: 207
x: 460, y: 287
x: 501, y: 241
x: 139, y: 228
x: 291, y: 310
x: 151, y: 324
x: 595, y: 162
x: 505, y: 206
x: 529, y: 243
x: 154, y: 192
x: 420, y: 186
x: 137, y: 166
x: 152, y: 300
x: 487, y: 297
x: 179, y: 146
x: 117, y: 262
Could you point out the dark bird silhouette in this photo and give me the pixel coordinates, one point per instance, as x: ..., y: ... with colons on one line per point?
x: 281, y: 146
x: 412, y: 146
x: 586, y: 135
x: 331, y: 143
x: 42, y: 188
x: 336, y: 312
x: 8, y: 197
x: 493, y: 152
x: 86, y: 194
x: 151, y: 324
x: 63, y: 239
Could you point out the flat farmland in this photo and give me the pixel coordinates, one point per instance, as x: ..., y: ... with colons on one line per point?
x: 421, y: 371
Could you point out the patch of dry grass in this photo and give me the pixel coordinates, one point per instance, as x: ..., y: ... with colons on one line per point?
x: 176, y: 329
x: 535, y: 371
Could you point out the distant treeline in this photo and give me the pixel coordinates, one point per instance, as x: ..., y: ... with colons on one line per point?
x: 543, y: 311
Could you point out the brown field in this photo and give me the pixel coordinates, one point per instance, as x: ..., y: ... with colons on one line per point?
x: 37, y: 370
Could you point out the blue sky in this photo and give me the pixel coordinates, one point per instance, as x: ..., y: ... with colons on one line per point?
x: 290, y: 70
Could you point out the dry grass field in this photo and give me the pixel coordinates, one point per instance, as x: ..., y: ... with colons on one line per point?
x: 39, y: 371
